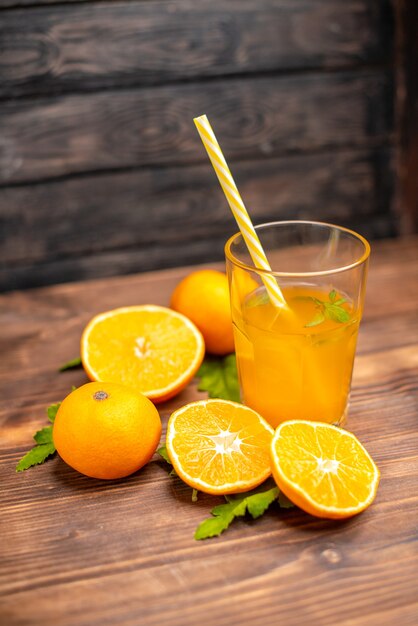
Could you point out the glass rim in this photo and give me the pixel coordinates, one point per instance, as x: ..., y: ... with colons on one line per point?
x: 362, y: 259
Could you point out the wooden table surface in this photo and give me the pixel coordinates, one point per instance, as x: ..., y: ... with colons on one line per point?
x: 77, y: 551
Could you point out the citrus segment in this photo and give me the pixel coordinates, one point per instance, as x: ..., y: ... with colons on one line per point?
x: 218, y: 446
x: 106, y: 430
x: 149, y: 348
x: 323, y: 469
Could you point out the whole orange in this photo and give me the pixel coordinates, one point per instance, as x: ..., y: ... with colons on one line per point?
x: 106, y: 430
x: 203, y: 297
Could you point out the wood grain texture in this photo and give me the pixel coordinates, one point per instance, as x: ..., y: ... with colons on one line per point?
x: 168, y: 206
x: 128, y: 261
x: 80, y: 552
x: 407, y: 114
x: 11, y: 4
x: 260, y: 117
x: 97, y: 45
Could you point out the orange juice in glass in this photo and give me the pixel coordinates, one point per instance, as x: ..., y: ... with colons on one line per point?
x: 296, y: 362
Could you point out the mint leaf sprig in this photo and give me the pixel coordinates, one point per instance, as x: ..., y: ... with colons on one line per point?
x: 219, y: 377
x: 332, y: 310
x: 164, y: 455
x: 44, y: 443
x: 254, y: 502
x: 237, y: 506
x: 71, y: 364
x: 162, y: 451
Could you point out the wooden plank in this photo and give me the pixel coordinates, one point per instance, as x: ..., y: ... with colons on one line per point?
x: 389, y: 328
x: 255, y: 117
x: 117, y: 210
x: 52, y: 229
x: 113, y: 263
x: 211, y: 607
x: 95, y: 45
x: 407, y: 112
x: 11, y: 4
x: 59, y: 563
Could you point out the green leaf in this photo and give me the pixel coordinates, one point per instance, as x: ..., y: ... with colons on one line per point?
x: 303, y: 298
x: 331, y: 310
x: 164, y: 454
x: 52, y: 411
x: 44, y: 435
x: 332, y: 295
x: 284, y: 501
x: 255, y: 503
x: 318, y: 318
x: 337, y: 313
x: 45, y: 445
x: 71, y: 364
x: 258, y: 299
x: 219, y: 377
x: 260, y: 502
x: 212, y: 527
x: 37, y: 455
x: 234, y: 506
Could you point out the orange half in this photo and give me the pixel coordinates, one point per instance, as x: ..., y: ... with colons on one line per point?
x: 149, y: 348
x: 323, y: 469
x: 219, y: 447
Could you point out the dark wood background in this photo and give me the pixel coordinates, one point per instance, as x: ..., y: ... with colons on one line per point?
x: 102, y: 171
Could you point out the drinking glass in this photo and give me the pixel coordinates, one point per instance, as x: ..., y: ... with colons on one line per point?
x: 296, y: 361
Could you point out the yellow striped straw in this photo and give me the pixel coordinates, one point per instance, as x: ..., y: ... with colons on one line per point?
x: 238, y: 209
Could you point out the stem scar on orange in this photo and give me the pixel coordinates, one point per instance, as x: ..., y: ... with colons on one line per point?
x: 149, y: 348
x: 219, y: 447
x: 323, y: 469
x: 106, y: 430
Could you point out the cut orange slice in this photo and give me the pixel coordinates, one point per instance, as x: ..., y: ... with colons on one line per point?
x: 149, y: 348
x: 323, y: 469
x: 219, y: 446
